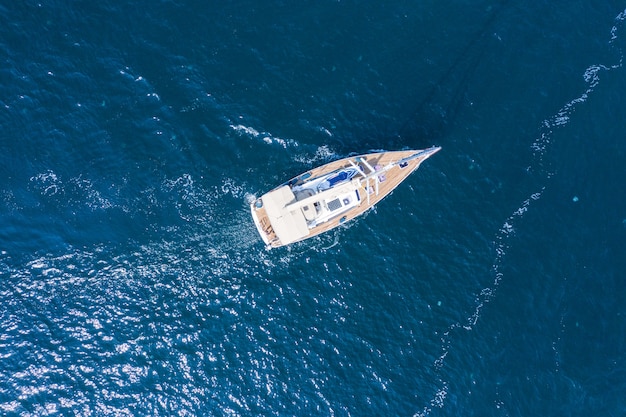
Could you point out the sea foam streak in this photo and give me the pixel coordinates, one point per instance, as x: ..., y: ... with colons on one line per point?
x: 264, y: 136
x: 540, y: 147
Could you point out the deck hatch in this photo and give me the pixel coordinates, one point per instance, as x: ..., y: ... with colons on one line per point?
x: 334, y: 204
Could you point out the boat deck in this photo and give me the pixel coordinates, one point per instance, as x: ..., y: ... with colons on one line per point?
x: 389, y: 181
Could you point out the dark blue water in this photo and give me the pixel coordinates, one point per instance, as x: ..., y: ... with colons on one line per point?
x: 133, y: 136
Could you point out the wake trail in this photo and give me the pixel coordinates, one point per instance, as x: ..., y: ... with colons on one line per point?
x: 540, y: 147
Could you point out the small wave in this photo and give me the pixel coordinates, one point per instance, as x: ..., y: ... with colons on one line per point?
x: 437, y: 401
x: 264, y: 136
x: 322, y: 154
x: 325, y: 131
x: 77, y: 191
x: 47, y: 183
x: 245, y: 130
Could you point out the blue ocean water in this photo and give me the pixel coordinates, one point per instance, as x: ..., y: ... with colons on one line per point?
x: 134, y: 136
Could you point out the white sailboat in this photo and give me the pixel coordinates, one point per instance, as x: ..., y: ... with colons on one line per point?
x: 327, y: 196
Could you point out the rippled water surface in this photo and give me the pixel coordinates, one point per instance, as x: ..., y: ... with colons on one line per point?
x: 133, y: 281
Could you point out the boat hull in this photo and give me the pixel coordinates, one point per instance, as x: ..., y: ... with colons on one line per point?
x: 389, y: 170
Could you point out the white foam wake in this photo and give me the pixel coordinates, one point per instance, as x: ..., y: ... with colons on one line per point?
x: 540, y: 147
x: 264, y: 136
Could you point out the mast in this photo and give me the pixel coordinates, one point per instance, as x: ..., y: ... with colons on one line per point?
x: 331, y: 192
x: 356, y: 183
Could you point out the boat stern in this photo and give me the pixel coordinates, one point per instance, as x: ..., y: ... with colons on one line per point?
x: 259, y: 216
